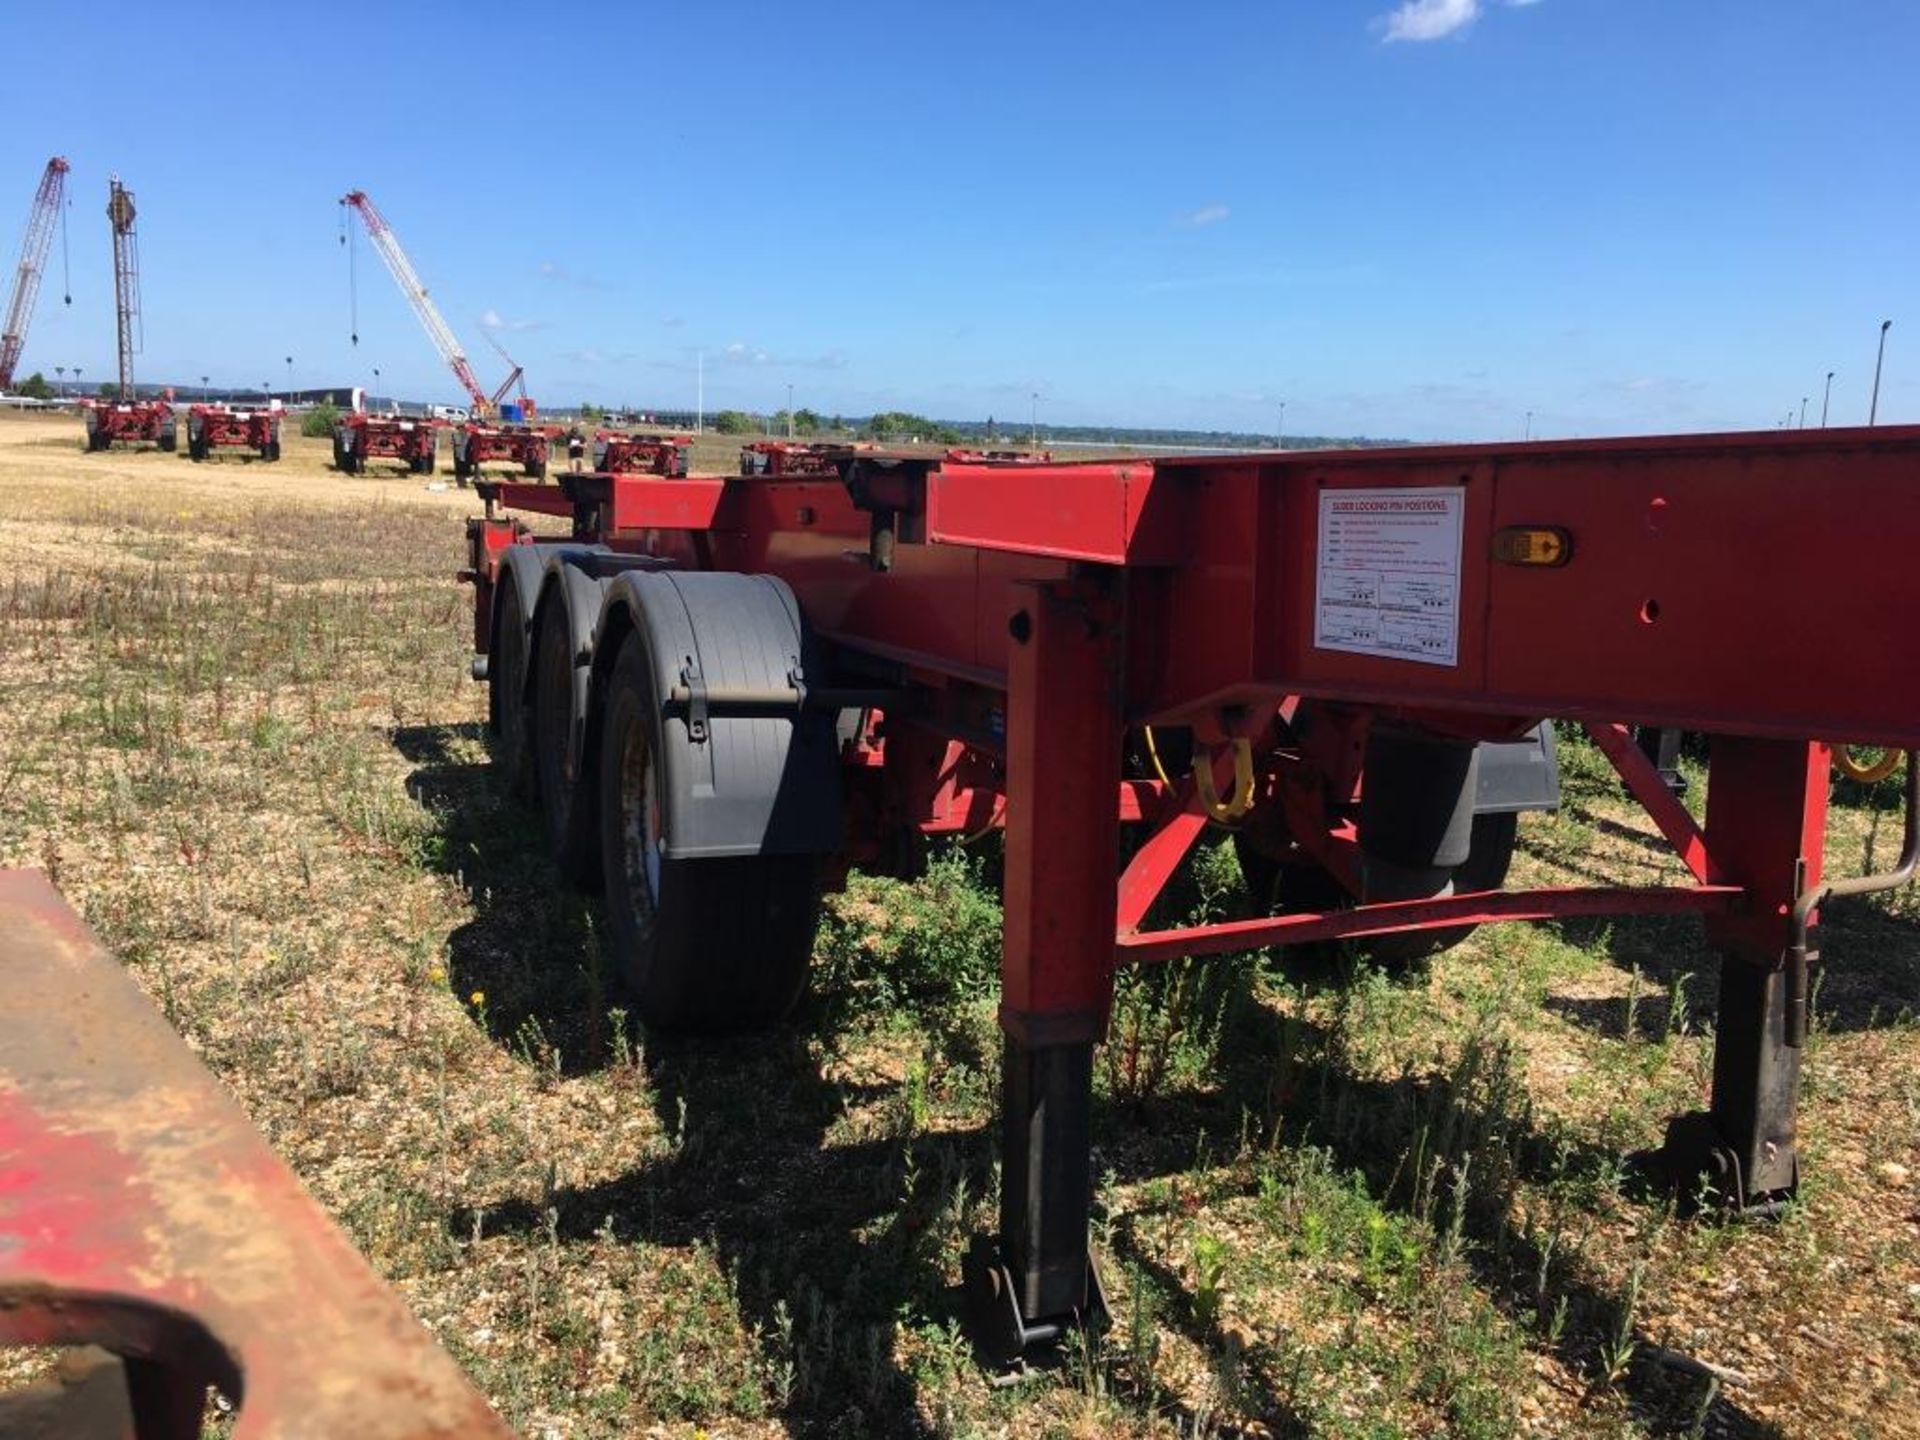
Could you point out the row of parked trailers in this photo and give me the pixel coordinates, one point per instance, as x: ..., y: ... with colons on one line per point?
x: 157, y: 422
x: 414, y: 445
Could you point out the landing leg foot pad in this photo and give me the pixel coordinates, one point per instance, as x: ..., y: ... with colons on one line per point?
x: 1001, y: 1332
x: 1697, y: 1166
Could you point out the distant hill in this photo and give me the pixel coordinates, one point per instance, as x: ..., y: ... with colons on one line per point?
x: 1122, y: 435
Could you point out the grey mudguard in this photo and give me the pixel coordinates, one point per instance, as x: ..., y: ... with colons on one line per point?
x: 754, y: 785
x: 1518, y: 774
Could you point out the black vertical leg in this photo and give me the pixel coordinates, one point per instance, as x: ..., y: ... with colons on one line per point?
x: 1740, y: 1154
x: 1046, y: 1186
x: 1039, y: 1280
x: 1756, y: 1075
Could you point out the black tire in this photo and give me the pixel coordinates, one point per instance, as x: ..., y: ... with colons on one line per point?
x: 506, y: 698
x: 710, y: 946
x: 1295, y: 889
x: 339, y: 455
x: 169, y: 441
x: 272, y: 451
x: 537, y: 469
x: 566, y: 795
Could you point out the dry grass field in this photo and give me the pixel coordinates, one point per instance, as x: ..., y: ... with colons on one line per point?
x: 237, y: 729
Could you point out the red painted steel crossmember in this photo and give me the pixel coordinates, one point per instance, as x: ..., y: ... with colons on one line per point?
x: 140, y: 1211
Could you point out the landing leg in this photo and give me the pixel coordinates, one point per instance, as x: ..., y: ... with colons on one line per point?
x: 1766, y: 815
x: 1064, y: 731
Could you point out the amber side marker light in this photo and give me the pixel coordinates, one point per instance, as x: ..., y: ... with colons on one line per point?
x: 1542, y: 546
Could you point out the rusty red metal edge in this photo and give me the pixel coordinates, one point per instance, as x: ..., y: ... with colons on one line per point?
x: 141, y: 1211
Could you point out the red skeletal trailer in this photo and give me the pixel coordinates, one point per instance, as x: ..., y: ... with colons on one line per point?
x: 618, y: 453
x: 225, y: 427
x: 725, y: 687
x: 359, y: 437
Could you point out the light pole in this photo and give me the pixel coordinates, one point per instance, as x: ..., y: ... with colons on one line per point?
x: 1873, y: 410
x: 789, y: 411
x: 1033, y: 426
x: 700, y: 390
x: 1529, y: 434
x: 61, y: 371
x: 1825, y: 398
x: 76, y: 376
x: 289, y: 379
x: 1803, y: 412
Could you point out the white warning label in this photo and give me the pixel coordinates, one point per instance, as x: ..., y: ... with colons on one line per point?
x: 1389, y: 573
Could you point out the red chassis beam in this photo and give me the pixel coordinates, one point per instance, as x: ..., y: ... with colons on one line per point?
x: 141, y: 1211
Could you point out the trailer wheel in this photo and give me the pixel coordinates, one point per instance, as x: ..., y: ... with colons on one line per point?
x: 566, y: 796
x: 706, y: 944
x: 271, y: 451
x: 169, y: 440
x: 507, y: 697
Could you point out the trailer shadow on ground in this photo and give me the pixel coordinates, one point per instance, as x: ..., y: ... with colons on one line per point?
x: 837, y: 1229
x: 1868, y: 978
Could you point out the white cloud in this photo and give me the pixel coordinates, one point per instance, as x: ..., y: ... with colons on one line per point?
x: 552, y: 270
x: 492, y: 320
x: 1429, y: 19
x: 1206, y: 215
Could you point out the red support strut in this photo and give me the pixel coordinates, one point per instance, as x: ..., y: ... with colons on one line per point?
x: 1064, y: 734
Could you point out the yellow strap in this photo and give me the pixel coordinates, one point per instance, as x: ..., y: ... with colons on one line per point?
x: 1865, y: 772
x: 1241, y: 801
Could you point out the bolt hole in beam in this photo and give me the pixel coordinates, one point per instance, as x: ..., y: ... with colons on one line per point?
x: 1650, y: 612
x: 1020, y: 627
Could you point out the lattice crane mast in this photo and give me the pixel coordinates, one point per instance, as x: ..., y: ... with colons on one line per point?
x: 408, y: 279
x: 47, y: 202
x: 126, y: 277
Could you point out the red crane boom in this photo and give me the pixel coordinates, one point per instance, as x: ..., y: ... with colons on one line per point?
x: 408, y: 279
x: 33, y: 258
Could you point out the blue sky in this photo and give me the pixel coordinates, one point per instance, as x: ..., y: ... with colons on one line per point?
x: 1418, y: 219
